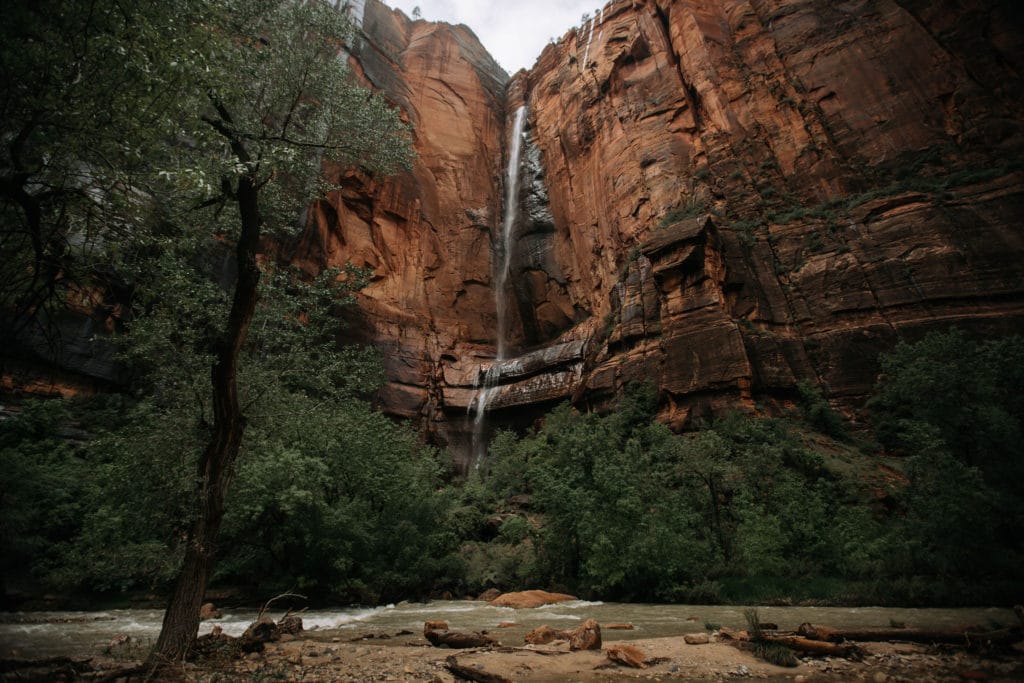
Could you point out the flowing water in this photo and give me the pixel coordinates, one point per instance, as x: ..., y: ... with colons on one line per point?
x: 42, y: 634
x: 487, y: 388
x: 507, y: 226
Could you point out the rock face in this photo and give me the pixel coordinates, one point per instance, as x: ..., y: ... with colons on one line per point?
x: 852, y: 157
x: 426, y: 234
x: 723, y: 197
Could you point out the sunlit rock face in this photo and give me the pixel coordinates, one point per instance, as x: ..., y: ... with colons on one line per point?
x: 721, y: 196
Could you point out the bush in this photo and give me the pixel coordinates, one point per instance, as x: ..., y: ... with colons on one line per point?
x: 818, y: 413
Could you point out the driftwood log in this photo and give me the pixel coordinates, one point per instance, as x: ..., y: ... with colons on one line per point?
x: 459, y: 640
x: 470, y: 673
x: 911, y: 635
x: 814, y: 647
x: 439, y: 636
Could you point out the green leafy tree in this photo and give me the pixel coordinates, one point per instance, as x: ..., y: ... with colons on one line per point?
x: 227, y: 111
x: 44, y: 484
x: 953, y: 404
x: 967, y: 391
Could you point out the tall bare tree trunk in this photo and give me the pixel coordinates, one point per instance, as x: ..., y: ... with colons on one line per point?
x: 217, y: 463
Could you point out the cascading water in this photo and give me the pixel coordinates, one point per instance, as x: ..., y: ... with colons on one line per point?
x: 511, y: 208
x: 488, y: 386
x: 596, y: 21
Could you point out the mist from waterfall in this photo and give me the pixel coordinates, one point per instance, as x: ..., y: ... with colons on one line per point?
x: 489, y: 384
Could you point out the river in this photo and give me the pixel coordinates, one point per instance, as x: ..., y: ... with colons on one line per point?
x: 43, y: 634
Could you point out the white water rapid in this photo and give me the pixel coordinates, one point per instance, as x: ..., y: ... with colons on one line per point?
x: 488, y: 386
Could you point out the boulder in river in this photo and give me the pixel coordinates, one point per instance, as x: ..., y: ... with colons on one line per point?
x: 530, y: 599
x: 208, y: 611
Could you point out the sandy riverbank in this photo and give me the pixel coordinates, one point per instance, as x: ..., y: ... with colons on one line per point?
x: 322, y: 656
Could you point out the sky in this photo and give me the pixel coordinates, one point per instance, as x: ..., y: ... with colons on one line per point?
x: 515, y: 31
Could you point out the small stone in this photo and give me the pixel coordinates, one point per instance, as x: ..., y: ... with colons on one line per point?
x: 696, y: 638
x: 880, y: 677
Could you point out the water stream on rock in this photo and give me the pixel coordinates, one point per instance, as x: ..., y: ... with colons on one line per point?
x: 487, y: 386
x: 45, y: 634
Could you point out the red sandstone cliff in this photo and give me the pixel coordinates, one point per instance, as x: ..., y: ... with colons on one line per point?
x: 858, y: 161
x: 723, y: 196
x: 426, y: 234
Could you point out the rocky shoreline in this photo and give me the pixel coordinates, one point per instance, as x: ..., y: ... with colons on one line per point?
x: 283, y: 651
x: 325, y: 657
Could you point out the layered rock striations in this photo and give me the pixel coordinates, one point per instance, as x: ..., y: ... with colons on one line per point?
x: 426, y: 234
x: 721, y: 196
x: 746, y: 194
x: 724, y: 197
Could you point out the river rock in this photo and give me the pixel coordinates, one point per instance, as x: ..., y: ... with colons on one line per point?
x: 586, y: 637
x: 627, y: 655
x: 489, y: 594
x: 542, y: 635
x: 530, y: 599
x: 434, y: 626
x: 208, y: 611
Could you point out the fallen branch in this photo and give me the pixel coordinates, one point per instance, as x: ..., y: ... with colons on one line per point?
x: 271, y: 601
x: 545, y: 653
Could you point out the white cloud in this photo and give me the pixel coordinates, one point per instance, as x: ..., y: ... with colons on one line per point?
x: 513, y: 32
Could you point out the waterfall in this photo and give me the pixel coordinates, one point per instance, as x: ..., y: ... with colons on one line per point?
x: 586, y: 50
x: 489, y: 384
x: 511, y: 209
x: 596, y: 21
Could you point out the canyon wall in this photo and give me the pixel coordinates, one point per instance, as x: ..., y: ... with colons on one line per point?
x: 749, y: 193
x: 426, y: 234
x: 722, y: 196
